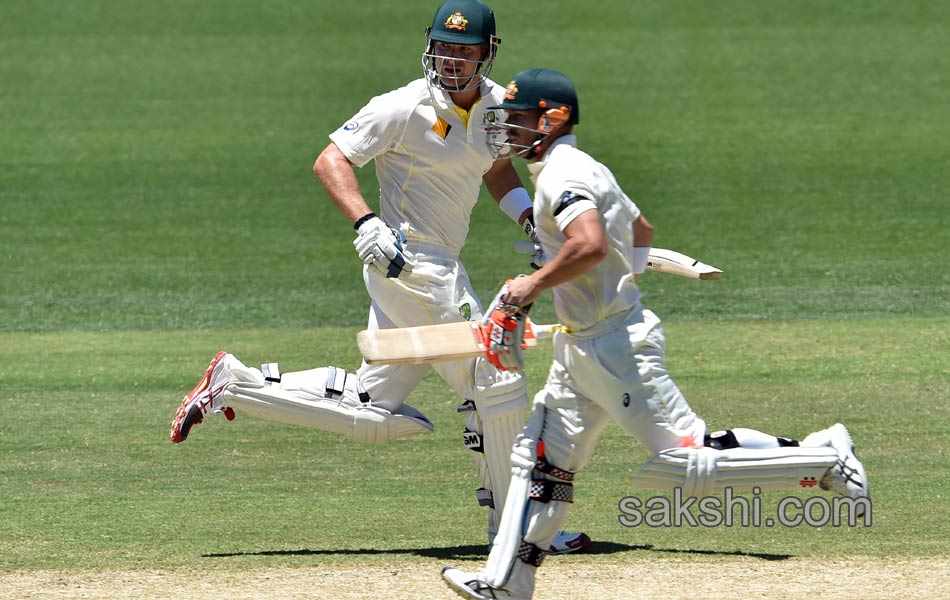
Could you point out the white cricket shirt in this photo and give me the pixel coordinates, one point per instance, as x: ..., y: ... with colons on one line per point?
x: 569, y: 182
x: 429, y: 159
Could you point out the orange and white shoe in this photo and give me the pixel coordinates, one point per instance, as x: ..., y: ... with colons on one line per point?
x: 201, y: 399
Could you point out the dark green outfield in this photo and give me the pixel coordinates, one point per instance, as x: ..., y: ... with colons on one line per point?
x: 155, y: 157
x: 157, y: 204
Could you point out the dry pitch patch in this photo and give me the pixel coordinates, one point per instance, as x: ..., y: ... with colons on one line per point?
x: 567, y: 577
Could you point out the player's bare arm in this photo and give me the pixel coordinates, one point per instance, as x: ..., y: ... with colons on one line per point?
x: 642, y: 240
x: 501, y: 179
x: 336, y: 173
x: 377, y: 244
x: 642, y: 232
x: 585, y: 247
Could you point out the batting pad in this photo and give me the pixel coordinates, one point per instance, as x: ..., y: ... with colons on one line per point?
x: 500, y: 400
x: 503, y: 552
x: 326, y: 398
x: 707, y: 472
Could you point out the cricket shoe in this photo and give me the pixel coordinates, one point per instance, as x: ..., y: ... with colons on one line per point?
x: 566, y: 542
x: 847, y: 478
x: 473, y: 587
x: 201, y: 399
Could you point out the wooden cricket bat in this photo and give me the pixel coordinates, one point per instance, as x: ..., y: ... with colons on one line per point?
x: 432, y: 343
x: 660, y: 259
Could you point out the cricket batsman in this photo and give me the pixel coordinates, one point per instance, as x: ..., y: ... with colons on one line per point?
x: 609, y: 364
x: 429, y: 141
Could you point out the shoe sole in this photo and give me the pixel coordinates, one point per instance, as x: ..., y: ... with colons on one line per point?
x: 460, y: 588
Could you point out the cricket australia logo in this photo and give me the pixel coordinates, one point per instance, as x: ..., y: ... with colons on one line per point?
x: 457, y: 22
x: 512, y: 90
x: 466, y: 311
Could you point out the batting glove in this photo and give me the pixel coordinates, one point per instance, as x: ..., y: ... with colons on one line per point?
x: 503, y: 332
x: 382, y: 247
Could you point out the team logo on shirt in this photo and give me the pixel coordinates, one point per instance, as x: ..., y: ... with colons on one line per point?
x: 466, y: 311
x: 457, y: 22
x: 351, y: 126
x: 566, y: 199
x: 512, y: 90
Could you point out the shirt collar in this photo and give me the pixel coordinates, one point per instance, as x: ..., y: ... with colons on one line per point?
x: 444, y: 101
x: 535, y: 168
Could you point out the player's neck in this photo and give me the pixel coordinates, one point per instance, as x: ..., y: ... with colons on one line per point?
x: 465, y: 100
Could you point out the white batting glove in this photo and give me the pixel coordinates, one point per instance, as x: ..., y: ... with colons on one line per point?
x: 382, y: 247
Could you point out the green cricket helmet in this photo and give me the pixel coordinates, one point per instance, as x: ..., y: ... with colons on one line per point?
x: 460, y: 22
x: 544, y: 90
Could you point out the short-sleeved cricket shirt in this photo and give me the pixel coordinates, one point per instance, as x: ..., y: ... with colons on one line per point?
x: 569, y: 182
x: 430, y: 157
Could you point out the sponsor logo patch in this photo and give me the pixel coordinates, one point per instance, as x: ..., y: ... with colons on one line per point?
x: 351, y: 126
x: 442, y: 127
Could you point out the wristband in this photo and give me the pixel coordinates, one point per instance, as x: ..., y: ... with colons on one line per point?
x: 641, y: 255
x: 515, y: 202
x: 363, y: 219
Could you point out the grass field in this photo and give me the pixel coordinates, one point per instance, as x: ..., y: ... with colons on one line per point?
x: 157, y: 205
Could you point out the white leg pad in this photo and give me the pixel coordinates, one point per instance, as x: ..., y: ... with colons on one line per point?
x: 707, y: 472
x: 327, y: 398
x: 500, y: 400
x: 511, y: 530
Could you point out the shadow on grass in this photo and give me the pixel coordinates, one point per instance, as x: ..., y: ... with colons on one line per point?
x: 478, y: 552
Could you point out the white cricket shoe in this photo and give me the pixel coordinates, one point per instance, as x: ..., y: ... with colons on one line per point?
x: 201, y: 399
x: 847, y: 478
x: 566, y: 542
x: 473, y: 587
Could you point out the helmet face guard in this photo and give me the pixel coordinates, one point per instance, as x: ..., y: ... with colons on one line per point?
x: 550, y: 120
x: 469, y: 23
x: 547, y: 92
x: 433, y: 65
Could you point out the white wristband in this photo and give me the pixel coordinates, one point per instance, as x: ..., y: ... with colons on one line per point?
x: 515, y: 202
x: 641, y: 255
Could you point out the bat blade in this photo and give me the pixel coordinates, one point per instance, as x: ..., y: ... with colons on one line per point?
x: 433, y: 343
x: 660, y: 259
x: 676, y: 263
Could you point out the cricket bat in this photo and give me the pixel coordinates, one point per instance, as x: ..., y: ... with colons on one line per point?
x: 432, y: 343
x: 660, y: 259
x: 675, y: 263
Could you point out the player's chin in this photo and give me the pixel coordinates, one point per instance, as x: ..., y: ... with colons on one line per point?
x: 456, y: 82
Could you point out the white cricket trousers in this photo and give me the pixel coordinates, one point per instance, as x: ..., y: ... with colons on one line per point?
x: 437, y: 291
x: 620, y: 374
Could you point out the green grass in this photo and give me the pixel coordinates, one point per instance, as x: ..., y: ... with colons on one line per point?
x: 157, y: 204
x: 90, y: 479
